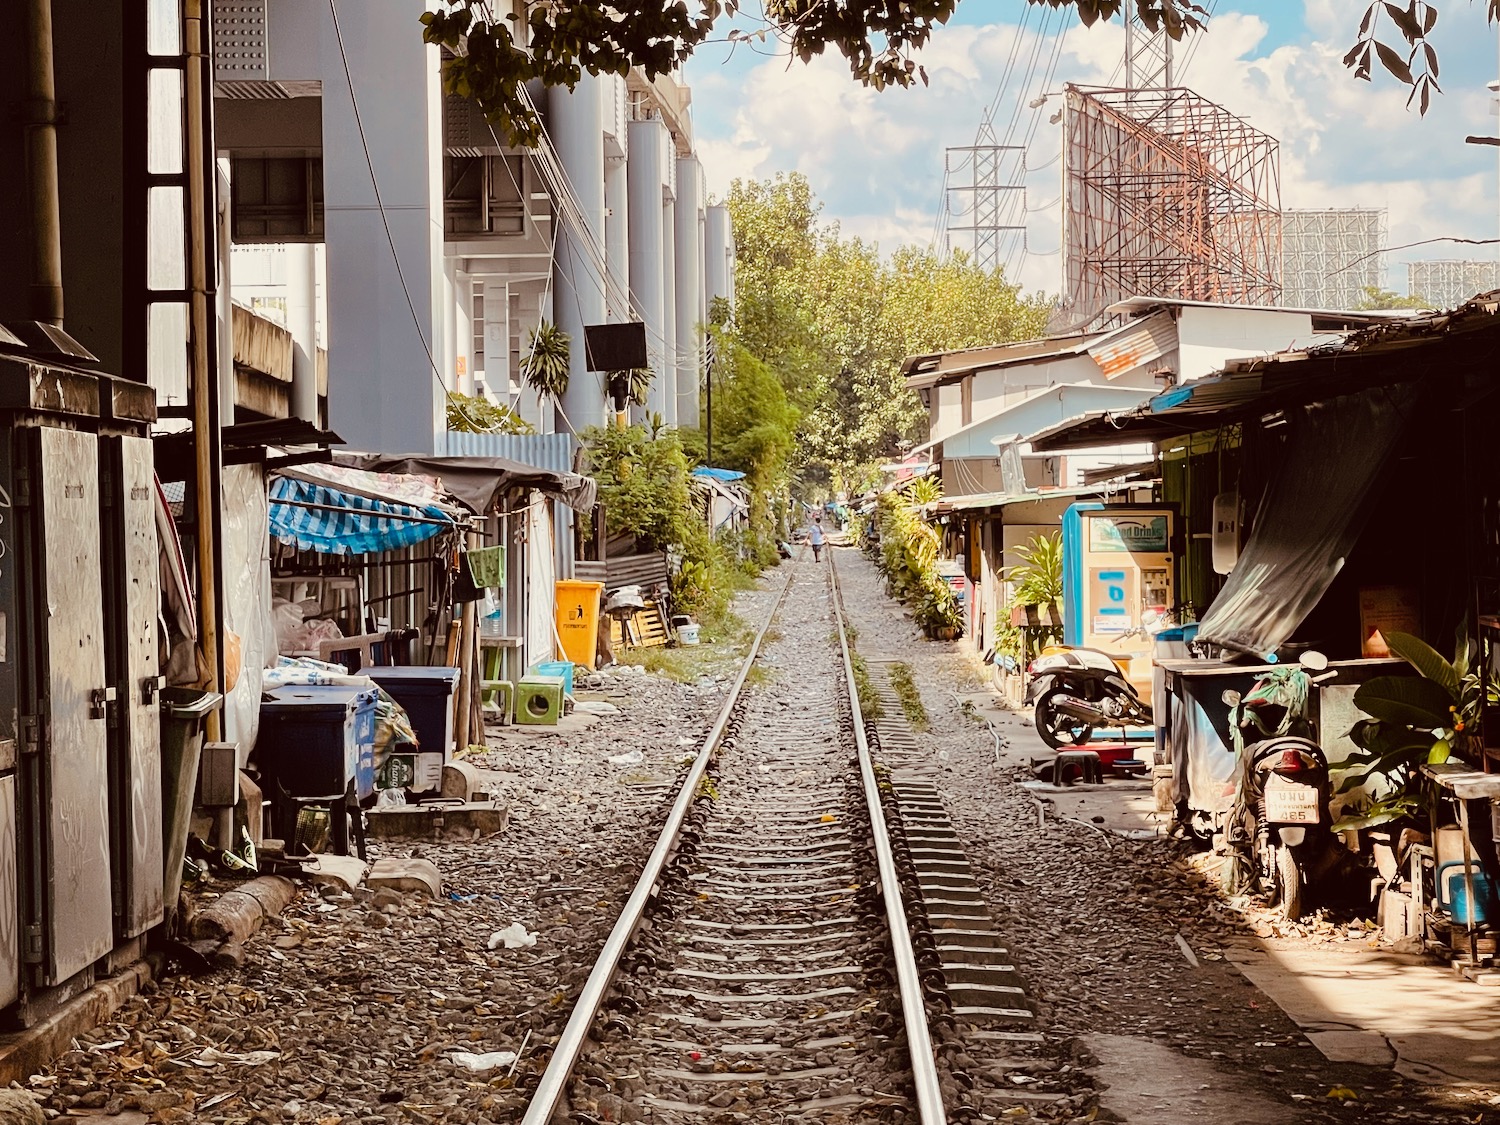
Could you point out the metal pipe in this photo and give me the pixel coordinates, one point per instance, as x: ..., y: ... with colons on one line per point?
x: 924, y: 1074
x: 549, y: 1091
x: 41, y: 166
x: 202, y: 375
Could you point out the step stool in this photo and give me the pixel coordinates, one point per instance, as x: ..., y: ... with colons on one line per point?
x: 539, y: 701
x: 1085, y: 761
x: 504, y: 693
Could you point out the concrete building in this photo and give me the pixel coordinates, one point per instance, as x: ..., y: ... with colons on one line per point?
x: 443, y: 248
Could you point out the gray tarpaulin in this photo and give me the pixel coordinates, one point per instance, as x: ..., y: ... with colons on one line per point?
x: 1314, y: 507
x: 482, y: 482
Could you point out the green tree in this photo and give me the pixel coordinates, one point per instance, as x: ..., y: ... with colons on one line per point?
x: 1376, y: 298
x: 470, y: 414
x: 494, y: 54
x: 834, y: 320
x: 755, y: 431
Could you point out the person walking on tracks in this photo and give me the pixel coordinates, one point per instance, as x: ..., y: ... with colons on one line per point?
x: 815, y: 538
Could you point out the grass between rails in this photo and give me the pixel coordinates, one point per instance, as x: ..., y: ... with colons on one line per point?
x: 869, y: 702
x: 911, y: 699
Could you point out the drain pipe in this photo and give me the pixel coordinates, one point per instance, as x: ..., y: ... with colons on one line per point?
x: 208, y: 465
x: 41, y: 166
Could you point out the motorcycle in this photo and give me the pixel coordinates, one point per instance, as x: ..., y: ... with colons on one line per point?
x: 1277, y: 831
x: 1078, y: 689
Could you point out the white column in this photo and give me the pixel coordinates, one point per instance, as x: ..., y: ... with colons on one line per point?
x: 649, y: 144
x: 383, y: 393
x: 576, y: 125
x: 226, y: 296
x: 302, y: 322
x: 718, y: 277
x: 664, y: 389
x: 617, y: 235
x: 689, y: 271
x: 497, y: 337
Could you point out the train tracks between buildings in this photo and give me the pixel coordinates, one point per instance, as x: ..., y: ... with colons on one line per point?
x: 776, y: 961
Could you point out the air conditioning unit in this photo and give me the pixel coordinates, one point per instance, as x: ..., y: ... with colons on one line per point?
x: 1226, y: 534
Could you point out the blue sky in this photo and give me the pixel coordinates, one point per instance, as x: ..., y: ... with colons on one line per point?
x: 876, y: 159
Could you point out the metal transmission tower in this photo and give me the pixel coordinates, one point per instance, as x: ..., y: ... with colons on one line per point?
x: 994, y: 173
x: 1148, y: 54
x: 1329, y: 258
x: 1166, y: 194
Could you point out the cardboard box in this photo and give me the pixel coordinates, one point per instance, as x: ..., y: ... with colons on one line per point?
x: 420, y: 773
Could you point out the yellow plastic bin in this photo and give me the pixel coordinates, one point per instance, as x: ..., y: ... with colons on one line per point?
x: 578, y: 620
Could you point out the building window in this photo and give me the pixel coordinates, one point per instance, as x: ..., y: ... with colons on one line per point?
x: 277, y: 199
x: 482, y: 195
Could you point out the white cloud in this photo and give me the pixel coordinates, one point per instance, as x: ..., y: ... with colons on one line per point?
x: 876, y: 158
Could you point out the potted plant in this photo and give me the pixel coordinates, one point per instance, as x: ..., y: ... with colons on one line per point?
x: 1413, y: 720
x: 544, y: 367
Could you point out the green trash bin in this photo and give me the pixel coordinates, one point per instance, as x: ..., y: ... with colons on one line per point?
x: 182, y: 713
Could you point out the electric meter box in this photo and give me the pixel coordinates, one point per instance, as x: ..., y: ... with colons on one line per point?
x: 1119, y: 569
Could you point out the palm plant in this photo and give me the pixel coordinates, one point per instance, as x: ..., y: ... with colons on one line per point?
x: 924, y: 491
x: 1413, y: 720
x: 544, y: 367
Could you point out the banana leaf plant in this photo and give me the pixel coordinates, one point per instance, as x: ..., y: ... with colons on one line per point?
x: 1413, y: 720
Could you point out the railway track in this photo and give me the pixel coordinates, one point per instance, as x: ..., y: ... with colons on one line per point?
x: 763, y: 969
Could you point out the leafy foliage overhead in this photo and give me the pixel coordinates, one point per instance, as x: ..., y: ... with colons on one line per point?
x: 496, y: 52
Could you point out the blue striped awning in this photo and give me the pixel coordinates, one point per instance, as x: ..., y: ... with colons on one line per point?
x: 315, y: 517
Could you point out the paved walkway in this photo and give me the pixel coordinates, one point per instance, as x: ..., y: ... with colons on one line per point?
x: 1384, y: 1009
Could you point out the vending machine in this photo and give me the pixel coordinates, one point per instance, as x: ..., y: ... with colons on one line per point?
x: 1119, y: 576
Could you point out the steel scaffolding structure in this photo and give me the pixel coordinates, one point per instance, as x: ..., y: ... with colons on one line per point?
x: 987, y: 202
x: 1448, y: 284
x: 1330, y: 257
x: 1166, y: 194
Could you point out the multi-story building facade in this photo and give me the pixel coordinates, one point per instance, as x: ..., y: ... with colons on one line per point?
x: 441, y: 248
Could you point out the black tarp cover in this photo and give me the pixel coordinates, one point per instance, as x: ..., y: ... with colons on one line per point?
x: 481, y: 483
x: 1315, y: 504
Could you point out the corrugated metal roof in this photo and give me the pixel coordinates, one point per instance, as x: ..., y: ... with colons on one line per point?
x: 1135, y: 344
x: 1044, y: 407
x: 937, y: 368
x: 1413, y: 348
x: 541, y: 451
x: 1005, y: 499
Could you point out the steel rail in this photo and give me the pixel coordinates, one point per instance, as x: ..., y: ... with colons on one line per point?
x: 924, y: 1072
x: 554, y: 1080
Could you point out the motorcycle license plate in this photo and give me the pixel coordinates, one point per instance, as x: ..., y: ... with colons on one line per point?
x: 1292, y: 806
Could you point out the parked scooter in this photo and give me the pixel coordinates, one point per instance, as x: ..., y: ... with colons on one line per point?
x: 1078, y: 689
x: 1278, y: 830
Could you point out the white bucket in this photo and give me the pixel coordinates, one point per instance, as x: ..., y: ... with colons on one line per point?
x: 688, y: 634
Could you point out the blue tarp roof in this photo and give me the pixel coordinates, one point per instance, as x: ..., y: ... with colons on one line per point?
x: 718, y: 474
x: 319, y: 518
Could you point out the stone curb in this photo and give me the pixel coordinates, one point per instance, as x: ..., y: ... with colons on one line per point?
x: 23, y: 1053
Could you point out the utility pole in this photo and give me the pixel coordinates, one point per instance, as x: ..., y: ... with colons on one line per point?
x: 708, y: 368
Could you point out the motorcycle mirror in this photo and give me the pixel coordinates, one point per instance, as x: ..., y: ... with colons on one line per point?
x: 1231, y: 697
x: 1313, y: 661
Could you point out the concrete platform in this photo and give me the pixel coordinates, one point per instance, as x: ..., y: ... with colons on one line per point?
x: 1151, y: 1083
x: 1384, y: 1009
